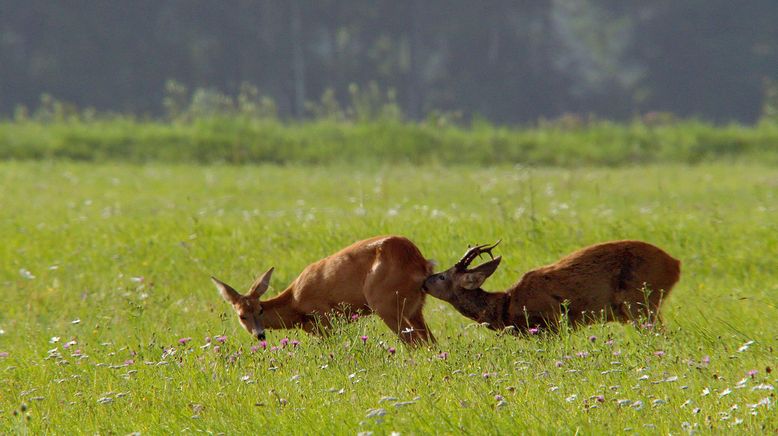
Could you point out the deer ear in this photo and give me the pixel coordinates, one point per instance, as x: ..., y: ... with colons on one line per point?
x: 260, y: 285
x: 230, y: 295
x: 476, y: 277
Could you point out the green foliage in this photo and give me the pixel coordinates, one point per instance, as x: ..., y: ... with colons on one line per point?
x: 105, y: 268
x: 246, y: 131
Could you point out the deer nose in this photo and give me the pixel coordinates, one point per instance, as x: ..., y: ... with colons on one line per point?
x: 261, y: 336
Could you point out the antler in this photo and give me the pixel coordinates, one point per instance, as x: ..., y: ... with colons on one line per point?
x: 474, y: 252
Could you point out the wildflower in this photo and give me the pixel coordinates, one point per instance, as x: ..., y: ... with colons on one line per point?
x: 600, y: 398
x: 364, y: 339
x: 637, y: 405
x: 375, y: 413
x: 753, y: 373
x: 129, y: 362
x: 207, y: 339
x: 582, y: 354
x: 763, y: 387
x: 498, y: 397
x: 295, y: 342
x: 216, y: 349
x: 183, y: 341
x: 609, y: 342
x: 274, y: 348
x: 592, y: 338
x: 443, y: 355
x: 647, y: 326
x: 745, y: 346
x: 559, y: 363
x: 263, y: 344
x: 534, y: 330
x: 69, y: 344
x: 54, y: 339
x: 706, y: 360
x: 659, y: 353
x: 617, y: 353
x: 254, y: 348
x: 355, y: 317
x: 391, y: 350
x: 3, y: 354
x: 284, y: 342
x: 221, y: 339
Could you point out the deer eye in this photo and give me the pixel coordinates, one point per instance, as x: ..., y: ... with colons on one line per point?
x: 440, y: 277
x: 243, y: 318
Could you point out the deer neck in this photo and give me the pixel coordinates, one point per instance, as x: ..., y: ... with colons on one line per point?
x: 482, y: 306
x: 281, y: 312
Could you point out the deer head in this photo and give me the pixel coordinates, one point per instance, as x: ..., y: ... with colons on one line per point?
x: 248, y: 307
x: 457, y: 278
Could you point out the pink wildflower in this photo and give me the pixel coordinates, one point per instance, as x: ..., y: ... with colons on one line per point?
x: 443, y: 355
x: 592, y: 338
x: 221, y: 339
x: 183, y: 341
x: 534, y: 330
x: 364, y: 339
x: 659, y: 353
x: 284, y: 342
x: 295, y: 342
x: 559, y: 363
x: 391, y: 350
x: 753, y: 373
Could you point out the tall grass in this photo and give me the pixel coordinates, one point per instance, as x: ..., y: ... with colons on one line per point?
x: 238, y: 139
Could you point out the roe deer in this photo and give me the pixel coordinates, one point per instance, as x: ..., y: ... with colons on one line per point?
x: 614, y: 281
x: 383, y: 274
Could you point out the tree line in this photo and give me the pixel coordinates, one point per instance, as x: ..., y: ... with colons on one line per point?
x: 508, y: 61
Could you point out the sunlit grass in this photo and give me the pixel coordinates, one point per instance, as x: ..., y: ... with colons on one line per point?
x: 105, y: 270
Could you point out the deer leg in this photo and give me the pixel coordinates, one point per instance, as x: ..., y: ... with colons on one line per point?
x: 419, y: 325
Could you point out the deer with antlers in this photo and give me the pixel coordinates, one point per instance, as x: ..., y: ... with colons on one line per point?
x: 382, y: 274
x: 613, y: 281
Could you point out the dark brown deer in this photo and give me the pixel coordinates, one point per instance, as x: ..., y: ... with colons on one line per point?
x: 614, y: 281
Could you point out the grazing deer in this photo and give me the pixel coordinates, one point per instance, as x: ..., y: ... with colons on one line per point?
x: 382, y: 274
x: 614, y: 281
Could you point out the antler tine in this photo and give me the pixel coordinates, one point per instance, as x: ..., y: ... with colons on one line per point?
x: 474, y: 252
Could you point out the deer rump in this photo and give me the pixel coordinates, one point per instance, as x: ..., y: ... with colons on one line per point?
x: 613, y: 281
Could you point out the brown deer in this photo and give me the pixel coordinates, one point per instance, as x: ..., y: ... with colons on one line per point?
x: 382, y: 274
x: 614, y: 281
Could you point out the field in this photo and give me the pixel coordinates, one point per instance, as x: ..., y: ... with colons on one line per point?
x: 110, y: 324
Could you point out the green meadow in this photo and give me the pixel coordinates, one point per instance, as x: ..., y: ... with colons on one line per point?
x: 109, y: 323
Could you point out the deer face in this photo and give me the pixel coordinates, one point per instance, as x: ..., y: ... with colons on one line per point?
x: 456, y: 279
x: 445, y: 285
x: 248, y: 307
